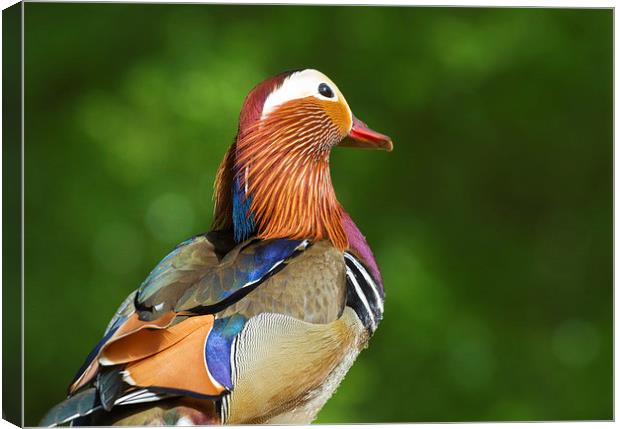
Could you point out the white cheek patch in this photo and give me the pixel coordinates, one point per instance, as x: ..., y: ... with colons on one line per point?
x: 300, y: 84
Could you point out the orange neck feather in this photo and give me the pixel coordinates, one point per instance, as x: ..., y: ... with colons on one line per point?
x: 282, y: 161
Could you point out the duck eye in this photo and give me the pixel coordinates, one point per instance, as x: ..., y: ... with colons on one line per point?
x: 326, y: 91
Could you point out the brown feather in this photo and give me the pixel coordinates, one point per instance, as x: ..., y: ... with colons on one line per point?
x: 222, y: 196
x: 284, y: 161
x: 132, y: 325
x: 88, y: 374
x: 179, y: 367
x: 147, y: 342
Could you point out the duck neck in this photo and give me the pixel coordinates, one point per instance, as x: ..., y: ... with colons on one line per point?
x: 286, y: 196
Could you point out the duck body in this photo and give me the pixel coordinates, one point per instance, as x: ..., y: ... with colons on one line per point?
x: 239, y: 325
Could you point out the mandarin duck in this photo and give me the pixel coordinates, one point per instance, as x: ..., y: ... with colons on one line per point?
x: 258, y: 320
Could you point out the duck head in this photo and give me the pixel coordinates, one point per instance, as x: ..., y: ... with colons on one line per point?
x: 274, y: 181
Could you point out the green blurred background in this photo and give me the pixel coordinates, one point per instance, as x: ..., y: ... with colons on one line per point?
x: 491, y: 220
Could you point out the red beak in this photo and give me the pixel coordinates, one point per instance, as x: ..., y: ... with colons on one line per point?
x: 363, y: 137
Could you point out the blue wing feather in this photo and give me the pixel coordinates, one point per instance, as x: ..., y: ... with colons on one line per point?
x: 229, y: 282
x: 218, y: 348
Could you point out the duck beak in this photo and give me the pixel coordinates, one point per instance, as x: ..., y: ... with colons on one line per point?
x: 363, y: 137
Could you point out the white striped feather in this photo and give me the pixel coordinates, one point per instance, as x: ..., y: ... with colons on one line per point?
x: 360, y: 294
x: 140, y: 396
x: 367, y: 277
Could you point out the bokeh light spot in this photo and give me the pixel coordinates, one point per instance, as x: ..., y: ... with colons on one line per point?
x: 576, y: 342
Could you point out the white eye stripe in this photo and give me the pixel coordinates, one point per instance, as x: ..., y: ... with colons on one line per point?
x: 298, y: 85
